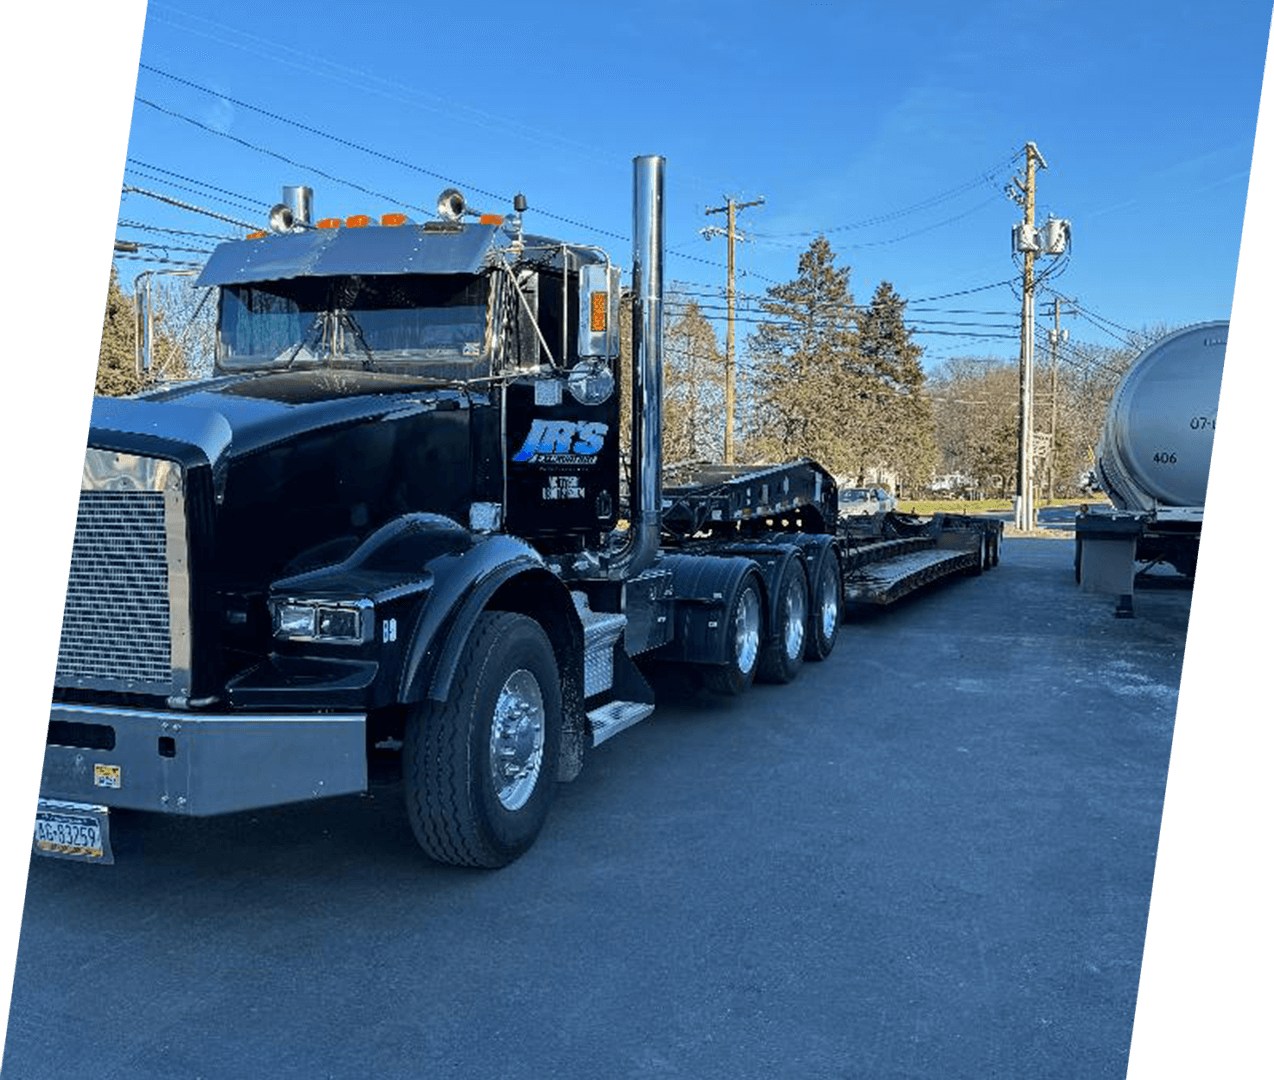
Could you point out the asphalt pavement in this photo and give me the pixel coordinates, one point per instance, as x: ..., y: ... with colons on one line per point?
x: 930, y: 856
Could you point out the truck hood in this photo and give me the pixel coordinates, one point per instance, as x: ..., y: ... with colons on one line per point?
x: 238, y: 415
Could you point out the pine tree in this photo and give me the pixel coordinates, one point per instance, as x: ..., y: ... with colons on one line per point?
x: 900, y: 429
x: 806, y: 380
x: 116, y: 361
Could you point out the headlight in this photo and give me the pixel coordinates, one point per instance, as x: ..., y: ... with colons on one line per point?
x: 347, y: 622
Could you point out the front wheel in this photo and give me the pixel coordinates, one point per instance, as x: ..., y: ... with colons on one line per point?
x: 478, y: 768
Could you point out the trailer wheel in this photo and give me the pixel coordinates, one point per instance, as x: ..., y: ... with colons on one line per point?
x: 478, y: 768
x: 743, y: 624
x: 825, y: 607
x: 980, y: 563
x: 1079, y: 554
x: 782, y: 657
x: 995, y: 549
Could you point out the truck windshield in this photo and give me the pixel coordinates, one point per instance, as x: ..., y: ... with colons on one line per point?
x: 435, y: 323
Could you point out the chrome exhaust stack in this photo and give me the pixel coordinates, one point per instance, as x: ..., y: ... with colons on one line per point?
x: 646, y: 495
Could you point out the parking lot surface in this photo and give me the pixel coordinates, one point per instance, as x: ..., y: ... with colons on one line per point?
x: 930, y: 856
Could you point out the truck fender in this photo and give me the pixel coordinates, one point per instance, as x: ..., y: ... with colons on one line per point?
x: 463, y: 584
x: 503, y: 574
x: 702, y: 588
x: 772, y: 557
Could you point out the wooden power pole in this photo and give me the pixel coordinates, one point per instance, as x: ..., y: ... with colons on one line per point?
x: 1028, y: 245
x: 730, y: 209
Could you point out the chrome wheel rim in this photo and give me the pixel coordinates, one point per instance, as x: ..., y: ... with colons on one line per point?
x: 794, y: 613
x: 517, y: 739
x: 830, y: 606
x: 747, y: 630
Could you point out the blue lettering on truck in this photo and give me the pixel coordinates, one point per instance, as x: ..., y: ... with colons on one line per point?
x: 562, y: 442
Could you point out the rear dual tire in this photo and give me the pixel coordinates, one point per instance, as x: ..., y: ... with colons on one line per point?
x: 744, y: 625
x: 825, y: 606
x: 782, y: 657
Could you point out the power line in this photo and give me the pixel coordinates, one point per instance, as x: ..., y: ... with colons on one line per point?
x: 392, y: 159
x: 122, y: 224
x: 706, y: 308
x: 981, y: 178
x: 132, y: 170
x: 965, y: 292
x: 281, y: 157
x: 194, y: 180
x: 129, y: 189
x: 293, y: 122
x: 348, y: 143
x: 169, y: 247
x: 905, y: 236
x: 158, y: 261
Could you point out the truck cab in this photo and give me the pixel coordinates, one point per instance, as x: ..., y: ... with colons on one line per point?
x: 275, y: 567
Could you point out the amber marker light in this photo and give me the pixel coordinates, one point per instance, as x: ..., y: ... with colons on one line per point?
x: 329, y: 223
x: 597, y: 311
x: 393, y: 219
x: 255, y: 235
x: 358, y: 221
x: 491, y: 219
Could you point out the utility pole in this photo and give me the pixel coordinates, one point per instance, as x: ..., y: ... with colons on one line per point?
x: 1026, y: 443
x: 1028, y: 242
x: 730, y: 209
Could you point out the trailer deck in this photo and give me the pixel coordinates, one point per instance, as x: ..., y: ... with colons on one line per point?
x: 882, y: 558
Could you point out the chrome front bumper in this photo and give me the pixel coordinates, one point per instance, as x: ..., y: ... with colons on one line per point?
x: 200, y: 764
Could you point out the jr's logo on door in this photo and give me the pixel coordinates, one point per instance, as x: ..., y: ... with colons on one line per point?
x: 562, y: 442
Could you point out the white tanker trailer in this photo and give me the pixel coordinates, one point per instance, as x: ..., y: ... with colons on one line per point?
x: 1152, y: 461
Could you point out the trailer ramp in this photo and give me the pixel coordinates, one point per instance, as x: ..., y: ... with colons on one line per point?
x: 883, y: 581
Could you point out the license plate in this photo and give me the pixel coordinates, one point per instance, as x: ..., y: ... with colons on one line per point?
x: 73, y: 832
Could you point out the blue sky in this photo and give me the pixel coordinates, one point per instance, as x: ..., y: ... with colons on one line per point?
x: 892, y: 128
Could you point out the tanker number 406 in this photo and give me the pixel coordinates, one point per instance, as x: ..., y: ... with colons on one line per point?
x: 1165, y: 458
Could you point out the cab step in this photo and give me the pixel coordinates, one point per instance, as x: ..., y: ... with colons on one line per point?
x: 613, y: 717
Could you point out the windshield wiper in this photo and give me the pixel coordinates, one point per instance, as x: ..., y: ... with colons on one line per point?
x: 314, y: 330
x: 345, y: 317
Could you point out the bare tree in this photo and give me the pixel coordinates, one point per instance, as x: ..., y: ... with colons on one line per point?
x: 187, y: 317
x: 975, y: 403
x: 694, y: 387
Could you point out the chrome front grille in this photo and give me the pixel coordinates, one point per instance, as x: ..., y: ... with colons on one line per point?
x: 127, y: 609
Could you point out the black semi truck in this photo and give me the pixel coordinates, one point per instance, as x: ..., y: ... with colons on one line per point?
x: 395, y: 534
